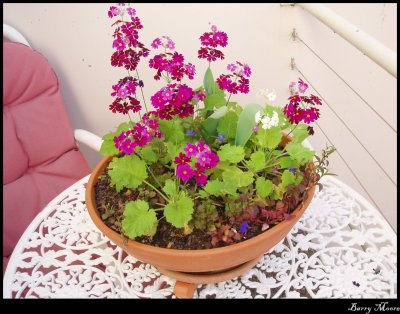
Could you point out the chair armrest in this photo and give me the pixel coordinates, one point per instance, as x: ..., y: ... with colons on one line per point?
x: 88, y: 138
x: 12, y: 34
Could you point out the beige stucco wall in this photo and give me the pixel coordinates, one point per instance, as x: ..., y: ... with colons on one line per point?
x: 76, y: 39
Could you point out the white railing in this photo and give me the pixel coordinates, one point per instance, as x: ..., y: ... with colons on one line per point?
x: 364, y: 42
x: 373, y: 49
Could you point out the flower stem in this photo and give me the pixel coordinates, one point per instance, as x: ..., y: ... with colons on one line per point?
x: 130, y: 119
x: 231, y: 93
x: 157, y: 190
x: 141, y: 89
x: 154, y: 177
x: 228, y: 99
x: 292, y: 130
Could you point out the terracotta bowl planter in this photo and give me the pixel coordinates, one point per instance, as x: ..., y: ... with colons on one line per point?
x: 196, y: 266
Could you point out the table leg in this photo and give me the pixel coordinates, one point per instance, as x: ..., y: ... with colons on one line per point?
x: 184, y: 290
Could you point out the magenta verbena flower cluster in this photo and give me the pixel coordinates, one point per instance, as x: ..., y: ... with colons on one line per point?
x: 210, y: 41
x: 302, y: 108
x: 193, y: 163
x: 174, y: 99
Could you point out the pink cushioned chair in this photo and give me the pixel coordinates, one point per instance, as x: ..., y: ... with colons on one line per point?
x: 40, y: 155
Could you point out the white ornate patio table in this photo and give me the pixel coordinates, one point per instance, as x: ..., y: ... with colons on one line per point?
x: 342, y: 247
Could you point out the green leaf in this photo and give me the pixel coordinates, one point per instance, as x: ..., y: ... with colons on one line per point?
x: 269, y: 138
x: 263, y: 186
x: 209, y: 84
x: 108, y: 148
x: 246, y: 123
x: 128, y: 171
x: 299, y: 152
x: 277, y: 192
x: 227, y: 125
x: 231, y: 153
x: 287, y: 178
x: 256, y: 162
x: 287, y: 162
x: 300, y: 133
x: 124, y: 126
x: 298, y: 180
x: 219, y: 113
x: 236, y: 177
x: 170, y: 188
x: 173, y: 130
x: 218, y: 91
x: 203, y: 194
x: 209, y: 129
x: 219, y: 188
x: 173, y: 150
x: 214, y: 101
x: 179, y: 213
x: 138, y: 219
x: 148, y: 154
x: 209, y: 126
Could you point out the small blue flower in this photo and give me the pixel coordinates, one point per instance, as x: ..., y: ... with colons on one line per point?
x: 221, y: 137
x: 141, y: 84
x: 243, y: 227
x: 190, y: 133
x: 292, y: 170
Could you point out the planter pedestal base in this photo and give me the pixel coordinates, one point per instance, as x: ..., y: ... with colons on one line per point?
x: 186, y: 283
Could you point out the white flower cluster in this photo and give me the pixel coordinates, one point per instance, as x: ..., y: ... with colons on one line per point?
x: 267, y: 121
x: 269, y: 95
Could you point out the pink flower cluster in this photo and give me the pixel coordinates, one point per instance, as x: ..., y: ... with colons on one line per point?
x: 124, y: 91
x: 175, y: 99
x: 163, y: 41
x: 139, y: 135
x: 203, y: 159
x: 237, y: 81
x: 211, y: 40
x: 302, y: 108
x: 173, y: 65
x: 125, y: 38
x: 128, y: 52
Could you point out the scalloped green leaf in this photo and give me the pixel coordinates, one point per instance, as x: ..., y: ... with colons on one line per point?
x: 298, y: 180
x: 256, y: 162
x: 277, y: 192
x: 300, y: 133
x: 246, y: 123
x: 236, y: 177
x: 127, y: 171
x: 299, y: 152
x: 138, y: 219
x: 269, y: 138
x: 264, y: 187
x: 287, y: 162
x: 173, y: 130
x: 287, y: 178
x: 219, y: 188
x: 173, y: 150
x: 231, y: 153
x: 170, y: 188
x: 108, y: 148
x: 148, y: 154
x: 180, y: 212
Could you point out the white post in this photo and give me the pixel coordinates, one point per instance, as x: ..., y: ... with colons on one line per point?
x: 368, y: 45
